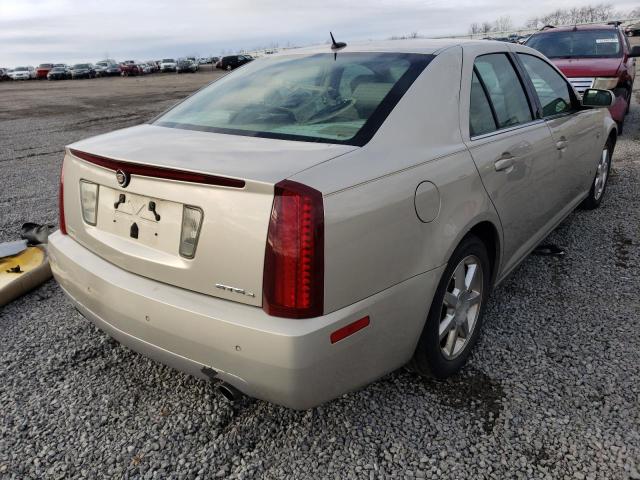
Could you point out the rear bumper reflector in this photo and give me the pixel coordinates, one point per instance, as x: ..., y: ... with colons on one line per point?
x: 158, y: 172
x: 350, y: 329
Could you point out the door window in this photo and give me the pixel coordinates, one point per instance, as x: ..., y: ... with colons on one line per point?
x: 505, y: 90
x: 481, y: 119
x: 553, y: 91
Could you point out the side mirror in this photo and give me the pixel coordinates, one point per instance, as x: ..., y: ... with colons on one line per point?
x: 592, y: 97
x: 635, y: 51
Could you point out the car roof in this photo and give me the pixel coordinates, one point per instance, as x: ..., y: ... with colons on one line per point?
x: 430, y: 46
x: 571, y: 28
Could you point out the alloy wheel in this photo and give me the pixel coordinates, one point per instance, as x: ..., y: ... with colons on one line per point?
x: 602, y: 173
x: 461, y: 307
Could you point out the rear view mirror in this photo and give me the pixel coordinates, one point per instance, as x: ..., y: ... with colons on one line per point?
x: 635, y: 51
x: 592, y: 97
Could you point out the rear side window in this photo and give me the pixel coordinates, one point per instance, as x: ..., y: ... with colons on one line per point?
x: 481, y: 119
x: 551, y: 88
x: 505, y: 90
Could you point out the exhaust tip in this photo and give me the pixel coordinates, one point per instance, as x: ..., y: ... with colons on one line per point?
x: 231, y: 393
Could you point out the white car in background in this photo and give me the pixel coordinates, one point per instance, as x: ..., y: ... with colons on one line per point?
x: 23, y: 73
x: 168, y: 65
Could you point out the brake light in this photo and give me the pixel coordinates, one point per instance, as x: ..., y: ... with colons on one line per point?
x: 61, y: 219
x: 293, y: 281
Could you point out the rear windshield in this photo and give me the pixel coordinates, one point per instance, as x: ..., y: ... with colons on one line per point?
x: 315, y: 98
x: 578, y: 44
x: 168, y: 60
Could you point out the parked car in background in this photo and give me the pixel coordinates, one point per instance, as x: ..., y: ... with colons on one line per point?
x: 59, y: 73
x: 4, y: 74
x: 42, y: 70
x: 233, y: 61
x: 129, y: 68
x: 168, y: 65
x: 632, y: 30
x: 186, y: 66
x: 593, y: 56
x: 300, y: 228
x: 215, y: 60
x: 153, y: 66
x: 82, y: 70
x: 107, y: 68
x: 22, y: 73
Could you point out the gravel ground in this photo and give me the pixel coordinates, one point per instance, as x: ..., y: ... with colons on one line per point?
x: 552, y: 390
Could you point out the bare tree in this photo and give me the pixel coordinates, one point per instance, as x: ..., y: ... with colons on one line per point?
x: 486, y: 27
x: 503, y: 24
x: 532, y: 22
x: 600, y: 12
x: 475, y: 28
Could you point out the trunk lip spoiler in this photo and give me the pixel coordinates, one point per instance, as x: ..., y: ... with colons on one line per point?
x: 153, y: 171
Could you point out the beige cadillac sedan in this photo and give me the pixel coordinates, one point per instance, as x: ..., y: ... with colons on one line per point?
x: 317, y: 219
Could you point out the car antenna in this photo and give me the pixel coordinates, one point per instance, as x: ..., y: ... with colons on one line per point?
x: 335, y: 46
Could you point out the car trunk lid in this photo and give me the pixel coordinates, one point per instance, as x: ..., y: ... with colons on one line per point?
x: 230, y: 179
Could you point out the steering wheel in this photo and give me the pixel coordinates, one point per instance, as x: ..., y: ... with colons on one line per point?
x: 331, y: 111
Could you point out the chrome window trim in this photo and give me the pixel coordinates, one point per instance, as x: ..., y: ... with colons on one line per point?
x: 508, y: 129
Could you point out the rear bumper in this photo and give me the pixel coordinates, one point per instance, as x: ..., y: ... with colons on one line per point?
x: 284, y: 361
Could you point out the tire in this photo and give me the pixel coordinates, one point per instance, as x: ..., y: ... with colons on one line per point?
x: 228, y: 68
x: 626, y: 94
x: 434, y: 356
x: 629, y: 95
x: 596, y: 194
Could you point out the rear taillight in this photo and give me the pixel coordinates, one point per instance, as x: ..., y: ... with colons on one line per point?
x: 63, y: 223
x: 293, y: 283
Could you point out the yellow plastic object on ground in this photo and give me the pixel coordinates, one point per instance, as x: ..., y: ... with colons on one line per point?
x: 23, y: 272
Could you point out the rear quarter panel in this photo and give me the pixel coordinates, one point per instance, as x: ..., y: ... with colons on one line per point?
x: 373, y: 236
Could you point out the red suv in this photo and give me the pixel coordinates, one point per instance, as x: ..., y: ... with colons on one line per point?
x: 42, y: 70
x: 592, y: 56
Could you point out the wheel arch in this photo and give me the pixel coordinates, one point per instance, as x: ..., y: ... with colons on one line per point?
x: 613, y: 136
x: 488, y: 233
x: 488, y: 229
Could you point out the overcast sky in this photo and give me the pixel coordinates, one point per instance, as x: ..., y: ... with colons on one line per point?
x: 37, y: 31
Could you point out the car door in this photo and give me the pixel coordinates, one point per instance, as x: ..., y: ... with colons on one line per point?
x: 574, y: 130
x: 513, y: 151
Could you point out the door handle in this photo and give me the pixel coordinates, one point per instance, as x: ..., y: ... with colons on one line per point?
x: 505, y: 162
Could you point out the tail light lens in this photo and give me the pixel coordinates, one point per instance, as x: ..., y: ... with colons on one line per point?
x: 89, y: 201
x: 293, y: 282
x: 191, y: 223
x: 61, y: 220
